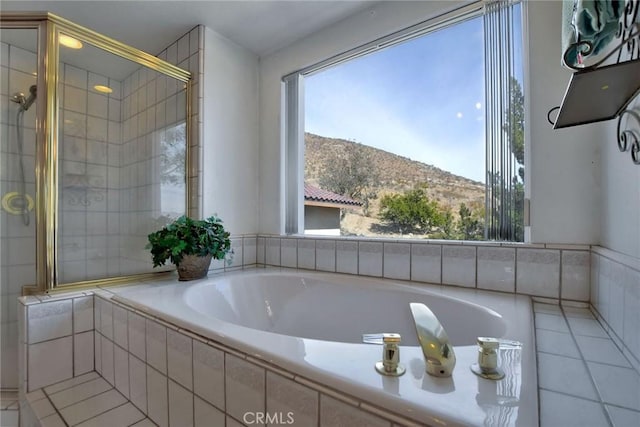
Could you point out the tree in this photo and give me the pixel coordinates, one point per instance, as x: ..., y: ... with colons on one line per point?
x: 505, y: 217
x: 352, y: 173
x: 514, y: 125
x: 411, y: 212
x: 172, y: 155
x: 471, y: 224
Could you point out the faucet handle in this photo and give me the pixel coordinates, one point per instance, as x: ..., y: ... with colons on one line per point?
x: 390, y: 363
x: 487, y: 366
x: 391, y: 338
x: 487, y: 343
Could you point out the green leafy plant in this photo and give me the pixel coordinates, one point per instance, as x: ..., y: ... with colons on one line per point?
x: 186, y: 236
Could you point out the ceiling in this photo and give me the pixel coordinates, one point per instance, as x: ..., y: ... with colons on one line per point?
x: 260, y: 26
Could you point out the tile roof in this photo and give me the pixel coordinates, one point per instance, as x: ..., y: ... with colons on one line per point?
x: 316, y: 194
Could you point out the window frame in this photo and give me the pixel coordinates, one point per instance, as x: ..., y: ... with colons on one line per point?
x: 292, y: 122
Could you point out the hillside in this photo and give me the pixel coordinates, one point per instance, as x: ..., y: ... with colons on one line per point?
x: 396, y: 175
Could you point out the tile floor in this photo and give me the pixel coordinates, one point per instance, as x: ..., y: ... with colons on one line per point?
x: 583, y: 378
x: 87, y: 401
x: 8, y: 409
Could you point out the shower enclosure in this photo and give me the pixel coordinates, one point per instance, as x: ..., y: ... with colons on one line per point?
x: 94, y: 151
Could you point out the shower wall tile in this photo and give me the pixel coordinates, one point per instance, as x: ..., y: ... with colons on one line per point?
x: 459, y: 265
x: 272, y: 251
x: 289, y: 253
x: 538, y: 272
x: 244, y: 387
x: 138, y: 383
x: 307, y: 254
x: 325, y: 255
x: 208, y: 373
x: 74, y: 99
x: 4, y: 55
x: 496, y: 269
x: 370, y: 255
x: 157, y: 397
x: 180, y: 406
x: 4, y: 90
x: 120, y: 327
x: 285, y: 396
x: 180, y: 358
x: 21, y: 59
x: 121, y: 370
x: 397, y: 261
x: 98, y: 105
x: 75, y: 77
x: 426, y: 263
x: 83, y: 357
x: 107, y: 359
x: 631, y: 310
x: 206, y: 415
x: 347, y: 257
x: 156, y: 339
x: 49, y: 320
x: 49, y: 362
x: 334, y: 412
x: 249, y: 250
x: 575, y: 275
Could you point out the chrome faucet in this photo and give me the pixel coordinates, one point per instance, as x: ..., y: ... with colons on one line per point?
x: 439, y: 356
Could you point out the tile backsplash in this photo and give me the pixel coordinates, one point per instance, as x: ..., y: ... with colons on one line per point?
x: 175, y: 376
x: 551, y: 271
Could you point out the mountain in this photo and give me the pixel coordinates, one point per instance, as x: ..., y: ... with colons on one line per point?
x: 396, y: 173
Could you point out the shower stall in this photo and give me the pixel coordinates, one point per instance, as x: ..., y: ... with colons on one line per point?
x: 94, y: 141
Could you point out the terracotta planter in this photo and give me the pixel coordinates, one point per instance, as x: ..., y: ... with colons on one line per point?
x: 193, y: 267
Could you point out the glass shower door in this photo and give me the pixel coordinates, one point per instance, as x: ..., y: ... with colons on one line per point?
x: 18, y: 95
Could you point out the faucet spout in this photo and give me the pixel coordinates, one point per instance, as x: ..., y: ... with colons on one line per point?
x: 439, y: 356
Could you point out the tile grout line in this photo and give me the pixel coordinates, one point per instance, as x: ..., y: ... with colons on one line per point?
x: 586, y: 366
x: 72, y: 386
x: 52, y: 405
x: 86, y: 398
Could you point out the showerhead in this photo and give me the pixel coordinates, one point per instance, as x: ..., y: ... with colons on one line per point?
x: 25, y: 102
x: 33, y: 93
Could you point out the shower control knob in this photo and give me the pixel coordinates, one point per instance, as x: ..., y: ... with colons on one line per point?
x: 487, y: 366
x: 488, y: 353
x: 390, y: 363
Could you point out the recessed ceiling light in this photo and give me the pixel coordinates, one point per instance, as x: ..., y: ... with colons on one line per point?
x: 103, y: 89
x: 605, y: 87
x: 69, y: 42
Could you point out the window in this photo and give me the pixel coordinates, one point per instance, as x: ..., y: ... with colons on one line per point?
x: 420, y: 139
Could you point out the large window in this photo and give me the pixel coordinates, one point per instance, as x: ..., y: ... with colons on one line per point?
x: 421, y: 139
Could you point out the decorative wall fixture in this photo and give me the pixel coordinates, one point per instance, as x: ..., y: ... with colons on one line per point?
x: 604, y: 89
x: 628, y: 139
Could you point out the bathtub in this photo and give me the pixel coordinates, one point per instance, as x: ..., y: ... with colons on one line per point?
x: 311, y: 324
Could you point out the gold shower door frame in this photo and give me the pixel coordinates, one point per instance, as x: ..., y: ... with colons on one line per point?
x: 49, y: 27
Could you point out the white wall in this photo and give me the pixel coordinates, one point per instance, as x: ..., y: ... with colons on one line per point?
x: 620, y: 194
x: 564, y: 165
x: 564, y: 169
x: 229, y: 162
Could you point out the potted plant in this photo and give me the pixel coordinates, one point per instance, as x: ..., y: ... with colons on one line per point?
x: 190, y: 244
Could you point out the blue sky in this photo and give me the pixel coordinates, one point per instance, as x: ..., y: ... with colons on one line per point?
x: 422, y: 99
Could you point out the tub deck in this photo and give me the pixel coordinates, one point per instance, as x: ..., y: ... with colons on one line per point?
x: 348, y: 368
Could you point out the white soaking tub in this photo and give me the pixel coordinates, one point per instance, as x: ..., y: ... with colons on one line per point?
x: 311, y: 324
